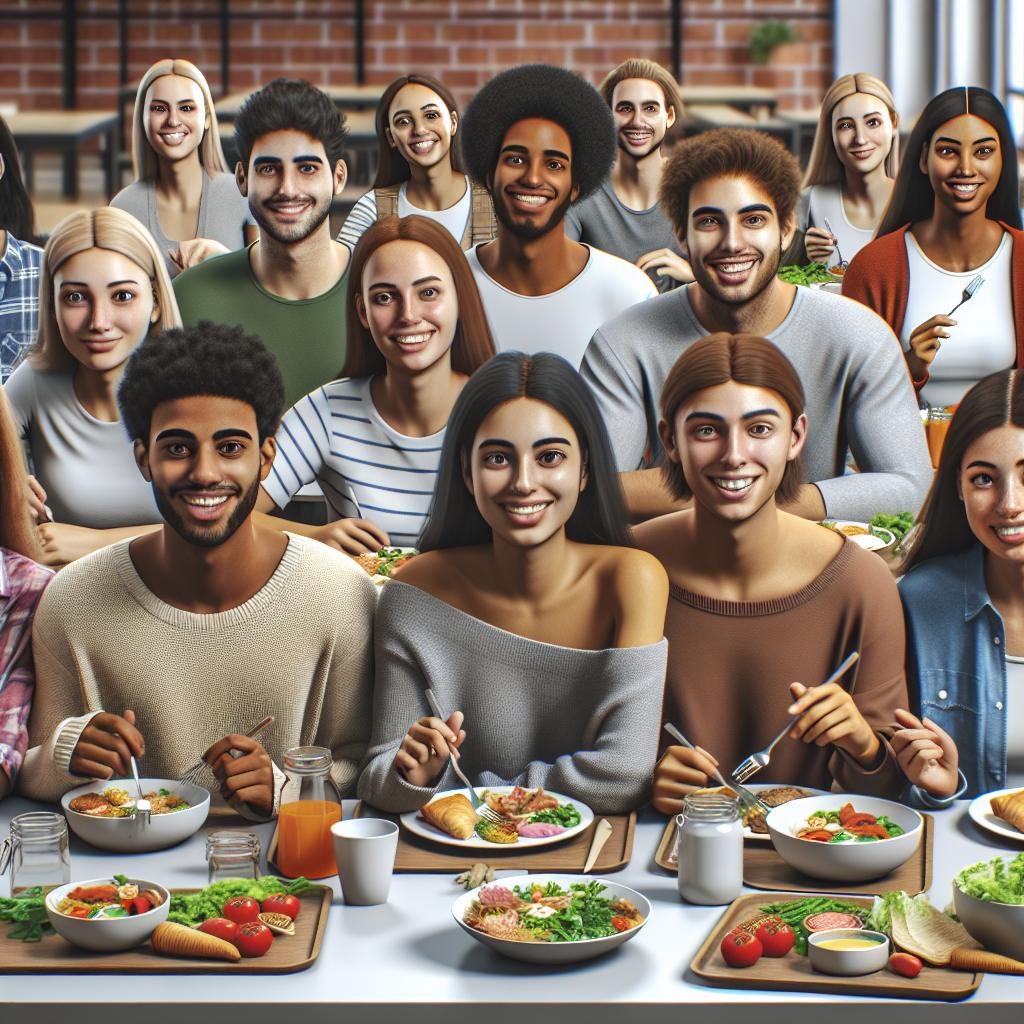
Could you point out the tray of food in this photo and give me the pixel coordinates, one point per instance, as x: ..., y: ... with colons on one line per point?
x: 127, y: 925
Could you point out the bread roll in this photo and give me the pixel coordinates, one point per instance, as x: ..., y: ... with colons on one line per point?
x: 1010, y: 808
x: 452, y: 814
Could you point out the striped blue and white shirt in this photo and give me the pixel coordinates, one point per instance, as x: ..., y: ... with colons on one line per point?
x: 20, y: 264
x: 366, y: 468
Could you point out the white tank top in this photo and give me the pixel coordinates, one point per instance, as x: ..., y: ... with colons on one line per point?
x: 983, y: 340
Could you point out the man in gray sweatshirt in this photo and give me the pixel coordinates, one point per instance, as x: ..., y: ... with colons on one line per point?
x: 732, y: 195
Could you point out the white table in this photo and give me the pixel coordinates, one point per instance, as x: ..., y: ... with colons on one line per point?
x: 408, y: 960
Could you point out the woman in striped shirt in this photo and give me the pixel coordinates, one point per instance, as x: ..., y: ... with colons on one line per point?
x: 372, y: 439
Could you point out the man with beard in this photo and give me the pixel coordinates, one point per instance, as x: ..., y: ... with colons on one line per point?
x: 289, y: 286
x: 540, y: 138
x: 623, y: 216
x: 177, y: 642
x: 732, y: 195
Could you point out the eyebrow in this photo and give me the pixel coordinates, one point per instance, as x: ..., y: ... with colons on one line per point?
x: 218, y: 435
x: 958, y: 142
x: 989, y: 465
x: 850, y: 117
x: 426, y: 106
x: 635, y: 103
x: 388, y: 284
x: 523, y: 149
x: 721, y: 419
x: 85, y: 284
x: 309, y: 159
x: 500, y: 442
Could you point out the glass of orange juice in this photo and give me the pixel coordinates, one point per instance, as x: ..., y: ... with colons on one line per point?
x: 936, y: 427
x: 304, y: 843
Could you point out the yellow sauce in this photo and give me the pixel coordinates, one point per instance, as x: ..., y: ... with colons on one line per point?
x: 847, y: 943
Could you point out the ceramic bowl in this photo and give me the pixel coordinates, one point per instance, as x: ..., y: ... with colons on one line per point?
x: 849, y: 962
x: 999, y: 927
x: 844, y: 862
x: 132, y: 835
x: 106, y: 934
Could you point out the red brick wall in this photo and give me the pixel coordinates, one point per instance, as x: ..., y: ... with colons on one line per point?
x: 463, y: 42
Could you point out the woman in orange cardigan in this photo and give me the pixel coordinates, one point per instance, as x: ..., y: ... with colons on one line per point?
x: 952, y: 229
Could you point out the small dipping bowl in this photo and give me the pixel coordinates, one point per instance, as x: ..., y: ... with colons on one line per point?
x: 849, y: 962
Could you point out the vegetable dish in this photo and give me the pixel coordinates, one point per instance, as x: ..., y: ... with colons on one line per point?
x: 847, y: 825
x: 115, y: 802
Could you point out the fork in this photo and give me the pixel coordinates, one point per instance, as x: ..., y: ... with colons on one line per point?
x: 751, y: 765
x: 839, y: 255
x: 747, y: 800
x: 479, y: 806
x: 142, y: 805
x: 968, y: 293
x: 191, y: 777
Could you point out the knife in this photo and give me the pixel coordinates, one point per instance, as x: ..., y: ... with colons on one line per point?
x: 601, y: 834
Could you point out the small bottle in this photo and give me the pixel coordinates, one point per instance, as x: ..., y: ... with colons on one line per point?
x: 936, y: 427
x: 231, y: 854
x: 304, y: 842
x: 710, y: 849
x: 36, y: 851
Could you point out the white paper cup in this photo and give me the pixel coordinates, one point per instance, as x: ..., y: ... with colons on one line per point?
x: 365, y: 850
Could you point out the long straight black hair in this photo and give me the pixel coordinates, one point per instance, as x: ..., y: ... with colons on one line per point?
x: 600, y: 513
x: 912, y: 197
x: 16, y: 213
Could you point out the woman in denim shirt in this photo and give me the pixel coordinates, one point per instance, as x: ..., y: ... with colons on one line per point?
x: 963, y: 598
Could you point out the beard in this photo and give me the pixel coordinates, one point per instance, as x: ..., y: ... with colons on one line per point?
x: 293, y: 233
x: 210, y: 536
x: 763, y: 278
x: 655, y: 146
x: 528, y: 231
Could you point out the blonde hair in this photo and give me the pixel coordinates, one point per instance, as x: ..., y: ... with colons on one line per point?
x: 824, y: 167
x: 145, y: 165
x: 649, y: 71
x: 106, y: 228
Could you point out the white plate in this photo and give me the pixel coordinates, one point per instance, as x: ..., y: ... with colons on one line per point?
x: 870, y: 541
x: 418, y: 827
x: 984, y: 817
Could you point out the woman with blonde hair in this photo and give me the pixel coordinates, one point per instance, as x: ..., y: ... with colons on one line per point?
x: 853, y: 163
x: 103, y: 290
x: 183, y: 191
x: 22, y: 582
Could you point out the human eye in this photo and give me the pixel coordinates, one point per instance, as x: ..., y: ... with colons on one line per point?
x: 430, y: 292
x: 704, y: 432
x: 267, y: 170
x: 651, y: 108
x: 514, y: 159
x: 309, y: 168
x: 874, y: 122
x: 756, y: 220
x: 124, y: 295
x: 401, y: 121
x: 943, y: 150
x: 556, y: 165
x: 706, y: 222
x: 844, y: 125
x: 760, y: 429
x: 231, y: 448
x: 495, y: 460
x: 982, y: 480
x: 383, y: 298
x: 984, y: 151
x: 73, y: 297
x: 433, y: 115
x: 157, y: 108
x: 177, y: 449
x: 551, y: 457
x: 624, y: 108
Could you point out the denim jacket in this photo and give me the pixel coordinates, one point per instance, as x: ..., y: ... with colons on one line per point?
x: 956, y: 665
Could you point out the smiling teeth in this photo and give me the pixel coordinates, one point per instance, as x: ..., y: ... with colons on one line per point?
x: 733, y: 485
x: 530, y: 200
x: 1010, y: 531
x: 735, y: 268
x: 526, y: 510
x: 967, y: 190
x: 207, y: 502
x: 412, y: 339
x: 173, y: 136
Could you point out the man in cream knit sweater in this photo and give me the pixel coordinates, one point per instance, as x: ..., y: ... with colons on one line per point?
x: 171, y: 645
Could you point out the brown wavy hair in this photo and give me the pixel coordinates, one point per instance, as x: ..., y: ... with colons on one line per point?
x: 17, y: 532
x: 717, y: 359
x: 472, y: 345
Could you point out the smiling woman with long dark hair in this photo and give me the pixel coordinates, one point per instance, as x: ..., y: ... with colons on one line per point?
x: 539, y: 631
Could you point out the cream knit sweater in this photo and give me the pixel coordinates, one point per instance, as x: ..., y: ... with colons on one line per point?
x: 300, y: 649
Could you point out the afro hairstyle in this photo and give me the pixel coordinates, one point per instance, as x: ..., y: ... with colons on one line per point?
x: 204, y: 359
x: 544, y: 91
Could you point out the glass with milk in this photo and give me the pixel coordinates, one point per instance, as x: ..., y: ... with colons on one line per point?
x: 710, y: 849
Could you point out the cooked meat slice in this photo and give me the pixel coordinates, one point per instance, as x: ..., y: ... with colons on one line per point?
x: 90, y: 803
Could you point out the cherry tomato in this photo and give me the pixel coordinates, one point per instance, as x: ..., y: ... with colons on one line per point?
x: 279, y: 903
x: 254, y: 938
x: 241, y: 909
x: 741, y: 949
x: 906, y: 964
x: 776, y: 939
x: 221, y: 927
x: 621, y: 924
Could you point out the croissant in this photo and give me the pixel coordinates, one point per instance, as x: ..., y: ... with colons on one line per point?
x: 452, y: 814
x: 1010, y: 808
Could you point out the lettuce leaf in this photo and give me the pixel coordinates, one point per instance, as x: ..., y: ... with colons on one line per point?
x: 994, y: 881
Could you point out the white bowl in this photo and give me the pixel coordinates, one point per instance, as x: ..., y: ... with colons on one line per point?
x: 131, y: 835
x: 554, y: 953
x: 106, y: 934
x: 844, y: 862
x: 848, y: 962
x: 999, y: 927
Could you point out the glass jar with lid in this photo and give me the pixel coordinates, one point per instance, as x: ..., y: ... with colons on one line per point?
x: 710, y: 849
x: 232, y: 854
x: 36, y: 851
x: 311, y: 804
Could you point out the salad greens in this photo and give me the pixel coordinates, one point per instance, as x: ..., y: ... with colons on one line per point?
x: 899, y: 523
x: 28, y: 912
x: 194, y: 908
x: 565, y: 815
x: 588, y: 915
x: 794, y: 912
x: 994, y: 881
x: 812, y: 273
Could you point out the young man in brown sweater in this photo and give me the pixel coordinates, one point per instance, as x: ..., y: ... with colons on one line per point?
x: 764, y: 604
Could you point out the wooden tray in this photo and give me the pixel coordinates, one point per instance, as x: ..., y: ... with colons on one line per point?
x: 288, y: 954
x: 418, y: 854
x: 763, y: 868
x: 794, y: 973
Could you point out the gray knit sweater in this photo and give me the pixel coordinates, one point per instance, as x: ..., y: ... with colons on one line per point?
x: 858, y: 392
x: 579, y: 722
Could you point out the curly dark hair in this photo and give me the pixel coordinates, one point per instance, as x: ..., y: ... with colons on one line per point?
x: 739, y: 152
x: 540, y: 90
x: 291, y: 104
x: 204, y: 359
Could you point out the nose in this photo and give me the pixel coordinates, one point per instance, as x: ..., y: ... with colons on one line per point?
x: 1011, y: 499
x: 101, y: 319
x: 408, y: 311
x: 531, y: 176
x: 859, y: 138
x: 523, y: 480
x: 172, y: 116
x: 635, y: 118
x: 205, y: 471
x: 734, y: 455
x: 966, y: 162
x: 731, y: 240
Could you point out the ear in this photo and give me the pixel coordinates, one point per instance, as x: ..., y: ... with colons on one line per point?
x: 240, y: 179
x: 361, y: 312
x: 798, y: 438
x: 155, y: 315
x: 467, y: 476
x: 268, y: 450
x: 340, y: 177
x: 455, y: 121
x: 390, y: 139
x: 3, y: 166
x: 683, y: 247
x: 668, y: 441
x: 142, y: 459
x: 671, y: 118
x: 574, y: 194
x: 788, y: 231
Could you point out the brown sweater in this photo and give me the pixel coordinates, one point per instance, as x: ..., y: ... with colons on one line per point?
x: 730, y: 665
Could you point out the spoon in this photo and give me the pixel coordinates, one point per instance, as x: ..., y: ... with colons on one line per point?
x: 142, y: 805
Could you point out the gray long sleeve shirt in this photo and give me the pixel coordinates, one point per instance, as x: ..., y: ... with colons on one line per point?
x: 859, y: 395
x: 578, y: 722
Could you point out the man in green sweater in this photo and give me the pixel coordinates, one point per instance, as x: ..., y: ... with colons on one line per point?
x: 289, y: 287
x: 171, y: 645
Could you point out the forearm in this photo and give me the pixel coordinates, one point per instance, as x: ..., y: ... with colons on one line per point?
x: 647, y: 496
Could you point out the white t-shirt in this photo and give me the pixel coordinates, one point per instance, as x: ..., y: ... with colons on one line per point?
x: 983, y: 340
x: 366, y: 468
x: 364, y: 213
x: 825, y: 202
x: 562, y: 321
x: 1014, y: 712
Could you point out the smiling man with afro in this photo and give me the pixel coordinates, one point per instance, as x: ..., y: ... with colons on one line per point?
x: 541, y: 138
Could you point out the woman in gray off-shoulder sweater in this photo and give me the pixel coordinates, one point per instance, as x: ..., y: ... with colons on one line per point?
x: 556, y: 676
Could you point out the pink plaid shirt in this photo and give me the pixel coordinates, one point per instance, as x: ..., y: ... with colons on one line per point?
x: 22, y: 582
